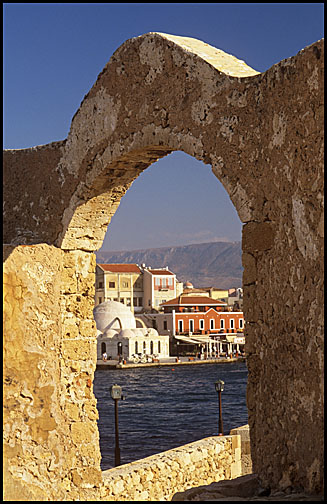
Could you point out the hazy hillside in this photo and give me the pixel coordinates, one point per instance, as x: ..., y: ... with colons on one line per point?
x: 217, y: 264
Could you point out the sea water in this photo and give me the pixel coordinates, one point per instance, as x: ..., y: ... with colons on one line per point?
x: 166, y: 407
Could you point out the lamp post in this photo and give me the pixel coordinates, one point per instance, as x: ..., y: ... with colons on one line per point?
x: 116, y: 394
x: 219, y: 386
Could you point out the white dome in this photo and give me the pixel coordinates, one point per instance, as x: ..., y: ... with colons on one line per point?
x: 152, y: 332
x: 110, y: 333
x: 127, y: 333
x: 113, y: 315
x: 140, y: 332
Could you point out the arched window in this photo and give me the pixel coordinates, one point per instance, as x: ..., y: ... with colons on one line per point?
x: 120, y: 348
x: 103, y: 347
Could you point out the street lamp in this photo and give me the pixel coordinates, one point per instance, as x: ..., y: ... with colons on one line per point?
x: 116, y: 394
x: 219, y: 386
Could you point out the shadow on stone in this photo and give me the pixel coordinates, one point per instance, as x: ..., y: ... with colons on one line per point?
x: 244, y: 486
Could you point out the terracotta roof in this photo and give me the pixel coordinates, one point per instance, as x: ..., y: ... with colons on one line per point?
x: 194, y: 301
x: 120, y: 268
x: 160, y: 272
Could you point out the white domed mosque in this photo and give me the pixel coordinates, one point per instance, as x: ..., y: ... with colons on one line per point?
x: 119, y: 337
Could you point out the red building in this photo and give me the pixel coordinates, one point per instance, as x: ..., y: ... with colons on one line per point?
x: 198, y: 314
x: 199, y: 319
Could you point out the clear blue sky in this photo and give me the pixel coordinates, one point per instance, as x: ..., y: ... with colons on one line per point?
x: 53, y: 54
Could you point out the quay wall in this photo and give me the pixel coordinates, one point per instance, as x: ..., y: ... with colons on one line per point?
x: 160, y: 476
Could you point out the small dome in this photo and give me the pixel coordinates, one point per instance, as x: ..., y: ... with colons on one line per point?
x: 140, y: 332
x: 127, y: 333
x: 113, y: 315
x: 152, y: 333
x: 109, y: 333
x: 188, y: 285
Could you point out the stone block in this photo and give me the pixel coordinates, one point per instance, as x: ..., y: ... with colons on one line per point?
x: 236, y: 469
x: 83, y: 432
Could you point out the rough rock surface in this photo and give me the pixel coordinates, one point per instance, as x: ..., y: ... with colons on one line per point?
x: 244, y: 488
x: 262, y: 134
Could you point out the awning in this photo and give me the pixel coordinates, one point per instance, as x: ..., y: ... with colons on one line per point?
x: 195, y: 339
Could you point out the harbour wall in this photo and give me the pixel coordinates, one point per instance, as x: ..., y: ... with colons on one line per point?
x: 160, y: 476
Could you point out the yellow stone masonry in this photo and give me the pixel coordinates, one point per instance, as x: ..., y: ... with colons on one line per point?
x: 262, y: 135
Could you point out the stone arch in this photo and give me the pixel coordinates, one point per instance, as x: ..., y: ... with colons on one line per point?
x: 140, y: 323
x: 114, y: 320
x: 262, y: 136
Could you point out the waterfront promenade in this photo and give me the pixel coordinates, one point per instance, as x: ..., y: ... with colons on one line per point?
x: 167, y: 361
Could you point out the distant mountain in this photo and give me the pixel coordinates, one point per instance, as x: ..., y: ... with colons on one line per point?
x: 214, y: 264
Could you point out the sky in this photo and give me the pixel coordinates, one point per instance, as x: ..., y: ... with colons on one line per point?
x: 53, y: 54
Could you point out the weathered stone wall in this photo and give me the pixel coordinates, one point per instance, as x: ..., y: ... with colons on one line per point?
x: 263, y: 136
x: 160, y: 476
x: 51, y: 440
x: 246, y: 460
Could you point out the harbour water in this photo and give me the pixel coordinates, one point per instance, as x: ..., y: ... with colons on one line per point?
x: 166, y: 407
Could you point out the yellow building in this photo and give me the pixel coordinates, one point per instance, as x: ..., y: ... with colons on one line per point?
x: 140, y: 288
x: 216, y: 293
x: 119, y: 282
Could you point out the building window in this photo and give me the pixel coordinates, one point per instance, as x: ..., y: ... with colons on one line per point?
x: 100, y: 300
x: 136, y: 347
x: 144, y: 346
x: 151, y: 347
x: 180, y: 326
x: 159, y: 347
x: 128, y: 301
x: 112, y: 285
x: 100, y: 285
x: 201, y: 324
x: 212, y: 324
x: 125, y: 285
x: 191, y: 325
x: 103, y: 348
x: 164, y: 282
x: 165, y: 325
x: 157, y: 281
x: 222, y: 323
x: 231, y: 323
x: 170, y: 282
x: 241, y: 323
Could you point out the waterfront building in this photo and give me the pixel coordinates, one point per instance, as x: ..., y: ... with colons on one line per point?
x: 141, y: 288
x: 235, y: 298
x: 196, y: 320
x: 160, y: 285
x: 121, y: 283
x: 121, y: 334
x: 215, y: 293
